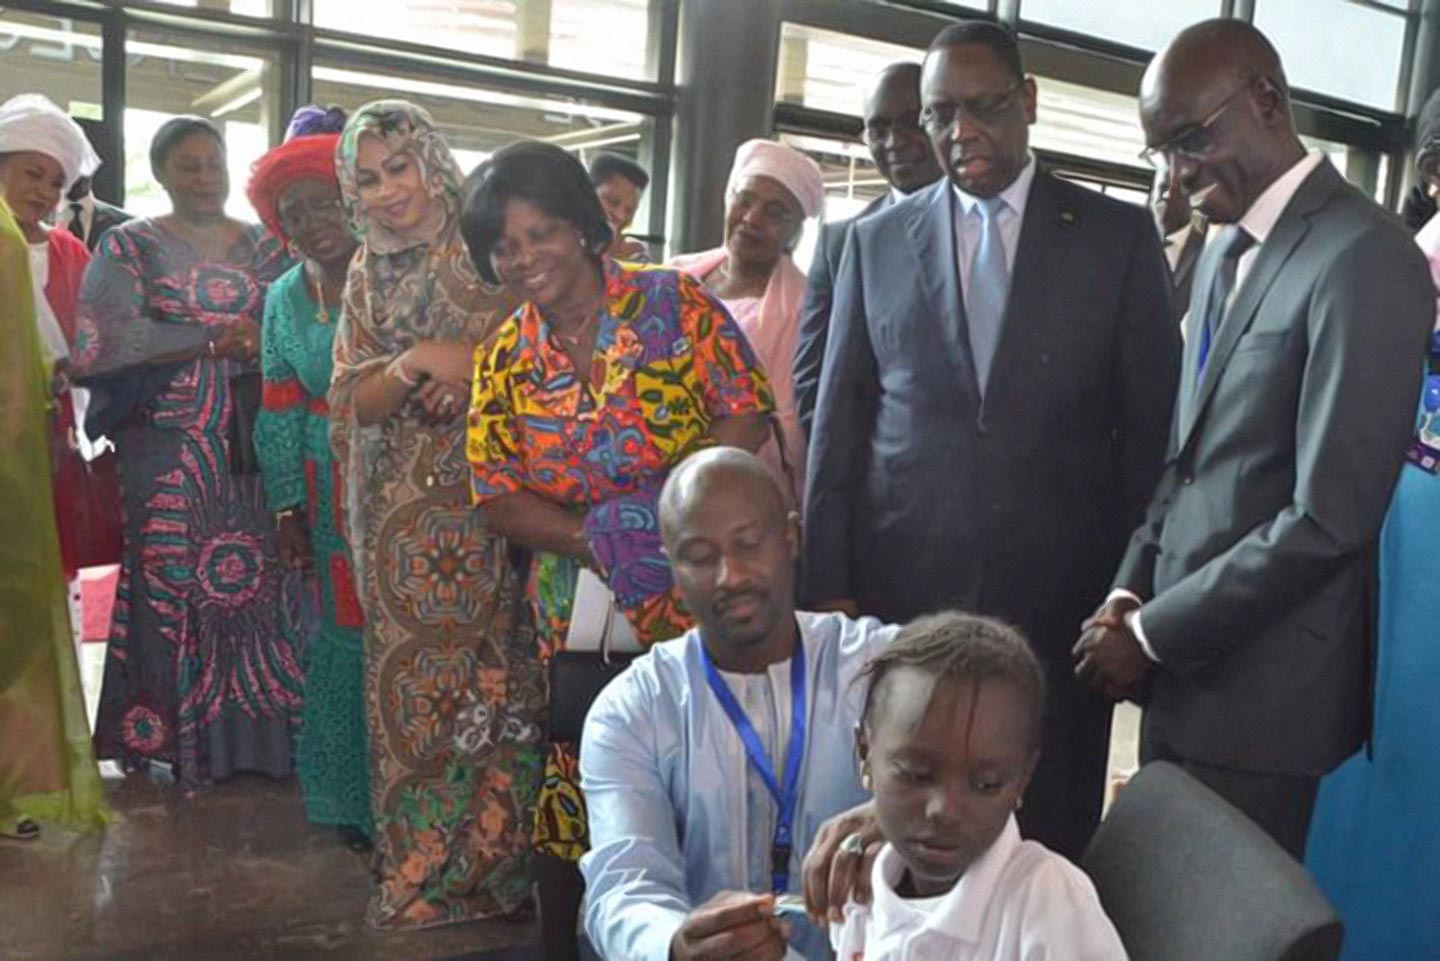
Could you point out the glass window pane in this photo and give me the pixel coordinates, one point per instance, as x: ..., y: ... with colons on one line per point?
x: 54, y: 56
x: 608, y: 37
x: 1146, y: 24
x: 601, y: 36
x: 851, y: 182
x: 830, y: 71
x: 1085, y: 122
x: 1337, y: 48
x: 165, y: 77
x: 1366, y: 169
x: 478, y: 120
x: 249, y: 8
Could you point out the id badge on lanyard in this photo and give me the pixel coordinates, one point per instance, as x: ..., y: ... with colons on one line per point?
x: 1424, y: 449
x: 785, y: 794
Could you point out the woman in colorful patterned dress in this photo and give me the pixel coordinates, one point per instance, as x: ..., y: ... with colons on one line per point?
x: 453, y: 690
x: 202, y: 671
x: 606, y: 378
x: 297, y: 195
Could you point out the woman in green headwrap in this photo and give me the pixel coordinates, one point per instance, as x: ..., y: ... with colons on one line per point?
x: 453, y: 690
x: 47, y: 770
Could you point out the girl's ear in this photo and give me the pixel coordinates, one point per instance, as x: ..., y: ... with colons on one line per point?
x: 862, y: 750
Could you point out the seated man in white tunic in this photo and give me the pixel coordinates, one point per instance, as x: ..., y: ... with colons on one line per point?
x: 709, y: 765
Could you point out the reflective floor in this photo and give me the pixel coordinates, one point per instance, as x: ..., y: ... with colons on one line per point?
x: 233, y: 875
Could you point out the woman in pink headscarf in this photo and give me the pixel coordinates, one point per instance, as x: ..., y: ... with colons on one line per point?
x: 772, y: 190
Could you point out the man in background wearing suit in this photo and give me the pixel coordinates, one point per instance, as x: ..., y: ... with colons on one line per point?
x: 83, y: 214
x: 1183, y: 235
x: 87, y: 216
x: 986, y: 443
x: 903, y: 156
x: 1242, y: 615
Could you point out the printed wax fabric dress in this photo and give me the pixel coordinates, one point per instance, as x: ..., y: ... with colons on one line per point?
x: 203, y: 667
x: 292, y: 439
x: 668, y: 363
x: 454, y: 696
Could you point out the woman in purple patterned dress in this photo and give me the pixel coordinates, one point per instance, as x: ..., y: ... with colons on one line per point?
x: 202, y: 670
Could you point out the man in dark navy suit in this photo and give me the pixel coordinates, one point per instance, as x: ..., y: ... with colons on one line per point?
x: 903, y: 156
x: 994, y: 402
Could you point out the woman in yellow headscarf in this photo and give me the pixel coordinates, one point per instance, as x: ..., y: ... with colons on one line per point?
x: 47, y: 770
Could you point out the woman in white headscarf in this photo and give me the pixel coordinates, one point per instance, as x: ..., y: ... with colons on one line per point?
x: 42, y: 153
x: 772, y: 190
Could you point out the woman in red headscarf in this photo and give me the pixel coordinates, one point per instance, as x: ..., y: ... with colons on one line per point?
x: 295, y: 191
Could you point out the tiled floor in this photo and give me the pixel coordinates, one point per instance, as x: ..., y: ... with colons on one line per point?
x: 234, y: 875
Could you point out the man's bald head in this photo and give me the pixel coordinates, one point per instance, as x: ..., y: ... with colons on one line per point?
x: 732, y: 548
x: 1215, y: 104
x: 702, y: 474
x: 897, y: 143
x: 1214, y: 56
x: 894, y: 80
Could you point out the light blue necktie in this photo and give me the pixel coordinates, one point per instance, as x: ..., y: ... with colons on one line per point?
x: 988, y: 287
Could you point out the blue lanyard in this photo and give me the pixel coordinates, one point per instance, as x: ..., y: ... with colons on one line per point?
x: 784, y: 840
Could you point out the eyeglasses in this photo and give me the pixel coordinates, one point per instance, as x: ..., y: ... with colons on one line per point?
x: 771, y: 211
x: 880, y: 129
x: 315, y: 210
x: 1194, y: 143
x: 983, y: 110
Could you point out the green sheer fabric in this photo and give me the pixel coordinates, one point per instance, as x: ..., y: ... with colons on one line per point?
x: 47, y: 768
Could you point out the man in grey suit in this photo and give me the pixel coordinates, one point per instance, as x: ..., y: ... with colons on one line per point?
x: 986, y: 444
x: 1242, y: 615
x: 903, y: 156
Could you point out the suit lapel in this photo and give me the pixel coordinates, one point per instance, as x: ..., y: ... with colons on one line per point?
x: 1289, y: 231
x: 1038, y: 258
x: 931, y: 228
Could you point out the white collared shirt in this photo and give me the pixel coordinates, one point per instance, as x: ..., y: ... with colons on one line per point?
x: 1175, y: 246
x: 1259, y: 222
x: 1019, y: 901
x: 967, y: 228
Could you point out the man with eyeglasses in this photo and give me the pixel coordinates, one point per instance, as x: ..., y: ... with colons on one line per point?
x: 994, y: 402
x: 1242, y: 613
x: 902, y: 155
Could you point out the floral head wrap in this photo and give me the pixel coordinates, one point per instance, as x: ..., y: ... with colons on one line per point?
x: 408, y: 128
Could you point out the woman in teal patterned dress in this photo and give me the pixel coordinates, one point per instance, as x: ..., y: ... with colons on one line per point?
x: 296, y: 193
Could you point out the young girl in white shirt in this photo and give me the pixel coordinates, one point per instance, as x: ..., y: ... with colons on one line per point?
x: 948, y: 741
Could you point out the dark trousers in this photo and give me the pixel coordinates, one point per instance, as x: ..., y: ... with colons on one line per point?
x: 1281, y: 804
x: 1062, y: 805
